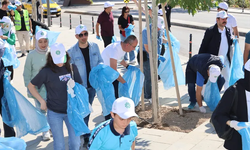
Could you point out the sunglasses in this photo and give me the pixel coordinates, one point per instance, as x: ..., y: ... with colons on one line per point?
x: 126, y: 11
x: 85, y: 34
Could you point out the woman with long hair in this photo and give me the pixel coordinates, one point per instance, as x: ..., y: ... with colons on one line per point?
x: 34, y: 62
x: 123, y: 22
x: 55, y: 75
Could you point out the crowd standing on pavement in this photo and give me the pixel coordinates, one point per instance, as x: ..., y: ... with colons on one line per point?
x: 48, y: 70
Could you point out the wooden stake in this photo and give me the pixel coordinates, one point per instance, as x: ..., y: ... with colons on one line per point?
x: 172, y: 61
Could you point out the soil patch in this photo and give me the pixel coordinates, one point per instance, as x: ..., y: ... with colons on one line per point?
x: 170, y: 119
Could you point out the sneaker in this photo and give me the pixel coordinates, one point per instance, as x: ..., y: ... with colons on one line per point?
x: 191, y: 105
x: 202, y: 109
x: 46, y: 136
x: 22, y: 55
x: 148, y: 100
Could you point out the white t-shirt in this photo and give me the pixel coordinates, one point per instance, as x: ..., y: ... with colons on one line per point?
x: 223, y: 44
x: 231, y: 23
x: 248, y: 104
x: 113, y: 50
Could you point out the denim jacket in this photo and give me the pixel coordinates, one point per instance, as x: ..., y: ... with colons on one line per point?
x: 77, y: 58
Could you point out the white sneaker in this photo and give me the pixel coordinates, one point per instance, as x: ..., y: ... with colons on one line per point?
x: 46, y: 136
x: 148, y: 100
x: 202, y: 109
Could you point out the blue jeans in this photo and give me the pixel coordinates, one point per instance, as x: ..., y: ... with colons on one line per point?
x: 192, y: 92
x: 55, y: 121
x: 91, y: 92
x: 131, y: 54
x: 147, y: 81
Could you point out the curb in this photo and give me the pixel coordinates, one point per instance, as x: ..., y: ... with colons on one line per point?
x: 143, y: 19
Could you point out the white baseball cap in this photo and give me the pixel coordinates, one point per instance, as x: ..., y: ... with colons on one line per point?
x: 222, y: 14
x: 58, y: 53
x: 108, y: 4
x: 223, y: 5
x: 124, y: 107
x: 214, y: 73
x: 80, y: 28
x: 5, y: 19
x: 160, y: 23
x: 41, y: 35
x: 160, y: 13
x: 18, y: 3
x: 247, y: 65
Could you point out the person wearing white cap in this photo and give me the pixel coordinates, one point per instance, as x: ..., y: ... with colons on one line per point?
x: 55, y: 75
x: 234, y: 107
x: 85, y: 55
x: 120, y: 131
x: 168, y: 9
x: 10, y: 37
x: 22, y: 25
x: 106, y: 20
x: 146, y: 64
x: 200, y: 69
x: 217, y: 41
x: 34, y: 62
x: 231, y: 21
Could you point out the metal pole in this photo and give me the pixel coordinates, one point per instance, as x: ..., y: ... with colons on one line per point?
x: 93, y: 25
x: 70, y: 26
x: 80, y: 19
x: 48, y: 13
x: 60, y: 20
x: 190, y: 46
x: 51, y: 20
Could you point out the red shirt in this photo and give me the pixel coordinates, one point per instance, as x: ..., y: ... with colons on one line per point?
x: 107, y: 23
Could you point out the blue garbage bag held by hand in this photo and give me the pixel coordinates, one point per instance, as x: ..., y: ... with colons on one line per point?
x: 52, y: 35
x: 18, y: 112
x: 129, y: 30
x: 134, y: 79
x: 245, y: 135
x: 212, y: 95
x: 101, y: 79
x: 165, y: 70
x: 236, y: 71
x: 78, y: 107
x: 12, y: 7
x: 12, y: 143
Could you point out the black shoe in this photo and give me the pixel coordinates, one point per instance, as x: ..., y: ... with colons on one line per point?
x: 22, y: 55
x: 86, y: 142
x: 28, y: 51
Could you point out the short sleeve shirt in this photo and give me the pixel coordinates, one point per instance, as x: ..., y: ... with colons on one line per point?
x: 104, y: 137
x: 56, y: 86
x: 3, y: 13
x: 124, y: 22
x: 231, y: 23
x: 113, y: 50
x: 107, y: 23
x: 199, y: 79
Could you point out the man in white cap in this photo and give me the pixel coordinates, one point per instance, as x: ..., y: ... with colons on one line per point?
x: 22, y: 25
x: 200, y: 69
x: 85, y: 55
x: 231, y: 21
x: 217, y: 41
x: 146, y: 64
x: 119, y: 132
x: 106, y: 20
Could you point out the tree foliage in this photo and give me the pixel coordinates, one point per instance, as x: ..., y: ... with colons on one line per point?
x: 193, y: 6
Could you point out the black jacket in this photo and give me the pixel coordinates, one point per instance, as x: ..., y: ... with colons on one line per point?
x: 37, y: 23
x: 224, y: 109
x: 211, y: 41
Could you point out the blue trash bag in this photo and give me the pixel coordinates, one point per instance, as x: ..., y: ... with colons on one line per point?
x: 52, y: 35
x: 212, y: 95
x: 101, y: 79
x: 165, y: 70
x: 9, y: 57
x: 114, y: 39
x: 236, y: 71
x: 129, y: 30
x: 245, y: 135
x: 78, y: 108
x: 12, y: 7
x: 135, y: 79
x: 12, y: 143
x: 18, y: 112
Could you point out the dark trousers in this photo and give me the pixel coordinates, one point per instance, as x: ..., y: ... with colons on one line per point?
x: 192, y: 92
x: 8, y: 131
x: 107, y: 40
x: 10, y: 68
